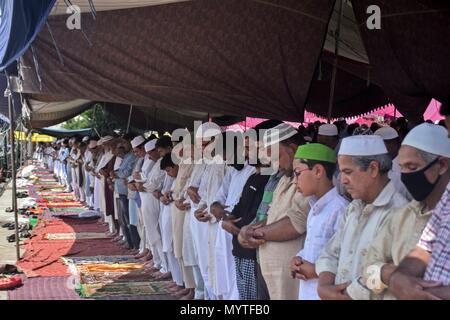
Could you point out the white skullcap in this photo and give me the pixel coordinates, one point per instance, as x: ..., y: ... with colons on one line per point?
x: 137, y: 141
x: 103, y: 140
x: 362, y: 145
x: 86, y: 138
x: 307, y: 139
x: 92, y: 144
x: 430, y: 138
x: 278, y: 134
x: 387, y: 133
x: 149, y: 146
x: 328, y: 129
x: 208, y: 130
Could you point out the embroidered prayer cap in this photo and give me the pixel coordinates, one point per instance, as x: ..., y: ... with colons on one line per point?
x: 278, y: 134
x: 429, y: 138
x: 85, y: 139
x: 208, y: 130
x: 362, y: 145
x: 328, y: 129
x: 316, y: 152
x: 137, y: 141
x: 149, y: 146
x: 387, y: 133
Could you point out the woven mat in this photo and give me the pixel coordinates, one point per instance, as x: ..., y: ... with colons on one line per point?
x: 68, y: 209
x: 110, y: 277
x: 75, y: 236
x: 110, y: 267
x: 122, y: 289
x: 98, y: 260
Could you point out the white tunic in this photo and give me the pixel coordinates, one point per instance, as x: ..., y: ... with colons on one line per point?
x: 151, y: 206
x: 165, y: 217
x: 190, y: 257
x: 228, y: 195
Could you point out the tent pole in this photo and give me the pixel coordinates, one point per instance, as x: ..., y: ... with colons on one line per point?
x: 335, y: 63
x: 129, y: 118
x: 13, y: 166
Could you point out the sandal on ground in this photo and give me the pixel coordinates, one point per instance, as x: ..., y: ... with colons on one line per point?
x: 11, y: 238
x: 8, y: 269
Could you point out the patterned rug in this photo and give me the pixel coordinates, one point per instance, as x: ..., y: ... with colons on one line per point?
x: 122, y: 289
x: 98, y: 260
x: 75, y: 236
x: 110, y: 267
x: 110, y: 277
x: 68, y: 209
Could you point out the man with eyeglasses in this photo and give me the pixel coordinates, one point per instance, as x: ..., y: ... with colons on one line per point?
x: 314, y: 166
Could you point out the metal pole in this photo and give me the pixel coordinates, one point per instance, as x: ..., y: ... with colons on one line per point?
x: 335, y: 63
x: 13, y: 166
x: 129, y: 118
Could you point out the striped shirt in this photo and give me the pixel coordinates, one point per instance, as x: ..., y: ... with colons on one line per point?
x: 436, y: 239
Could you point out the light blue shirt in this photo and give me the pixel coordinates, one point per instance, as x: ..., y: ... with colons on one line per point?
x: 124, y: 171
x: 324, y: 218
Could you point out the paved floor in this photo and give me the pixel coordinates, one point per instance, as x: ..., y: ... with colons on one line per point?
x: 7, y: 250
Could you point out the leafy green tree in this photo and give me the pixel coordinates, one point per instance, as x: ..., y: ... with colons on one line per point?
x: 103, y: 122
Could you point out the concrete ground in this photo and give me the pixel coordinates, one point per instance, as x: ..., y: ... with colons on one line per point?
x: 7, y: 250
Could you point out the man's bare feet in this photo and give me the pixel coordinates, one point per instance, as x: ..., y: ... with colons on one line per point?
x: 117, y: 239
x: 182, y: 293
x: 189, y: 296
x: 147, y: 257
x: 142, y: 254
x: 163, y: 276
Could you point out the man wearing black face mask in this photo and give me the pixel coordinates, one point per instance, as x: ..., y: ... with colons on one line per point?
x: 425, y: 272
x: 425, y: 173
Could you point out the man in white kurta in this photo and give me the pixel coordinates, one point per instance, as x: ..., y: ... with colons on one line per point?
x: 227, y: 197
x: 140, y: 178
x: 87, y: 159
x: 190, y: 253
x: 152, y: 207
x: 178, y: 219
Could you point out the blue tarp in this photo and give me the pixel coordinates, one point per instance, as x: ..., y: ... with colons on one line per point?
x: 20, y: 22
x: 4, y: 108
x: 63, y: 133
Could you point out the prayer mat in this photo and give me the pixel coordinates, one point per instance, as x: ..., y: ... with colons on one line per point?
x: 122, y: 289
x: 75, y: 236
x: 68, y: 209
x: 112, y: 267
x: 41, y: 182
x: 98, y: 260
x: 110, y: 277
x: 68, y: 204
